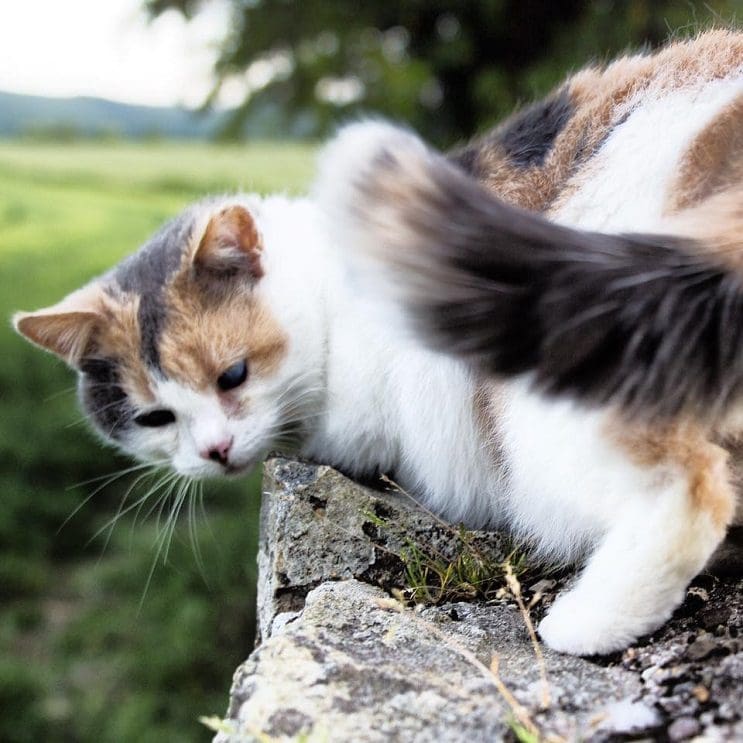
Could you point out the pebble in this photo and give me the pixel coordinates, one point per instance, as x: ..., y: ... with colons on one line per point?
x: 543, y: 585
x: 701, y: 693
x: 699, y: 593
x: 626, y: 716
x: 683, y: 728
x: 701, y: 648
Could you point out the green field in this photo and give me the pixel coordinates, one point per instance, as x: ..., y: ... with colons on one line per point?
x: 85, y: 654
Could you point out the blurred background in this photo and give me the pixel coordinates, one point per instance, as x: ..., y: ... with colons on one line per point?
x: 113, y: 116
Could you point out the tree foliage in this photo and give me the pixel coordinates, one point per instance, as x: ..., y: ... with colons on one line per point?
x: 445, y: 68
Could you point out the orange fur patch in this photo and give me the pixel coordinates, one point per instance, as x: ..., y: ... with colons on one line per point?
x: 119, y: 339
x: 690, y: 448
x: 602, y: 98
x: 713, y: 162
x: 717, y: 226
x: 204, y: 335
x: 733, y: 444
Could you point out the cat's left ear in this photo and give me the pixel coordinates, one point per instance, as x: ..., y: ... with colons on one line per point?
x: 66, y: 329
x: 230, y: 244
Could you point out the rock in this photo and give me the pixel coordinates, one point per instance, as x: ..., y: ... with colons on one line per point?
x: 542, y: 586
x: 683, y: 728
x: 353, y: 667
x: 627, y: 716
x: 341, y: 660
x: 317, y: 525
x: 702, y: 648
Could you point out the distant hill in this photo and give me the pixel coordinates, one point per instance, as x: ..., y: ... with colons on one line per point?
x: 83, y: 116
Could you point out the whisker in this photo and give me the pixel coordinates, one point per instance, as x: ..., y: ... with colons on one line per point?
x: 55, y: 395
x: 87, y: 416
x: 173, y: 517
x: 149, y: 578
x: 118, y: 515
x: 167, y: 486
x: 162, y: 501
x: 160, y: 542
x: 130, y: 507
x: 193, y: 532
x: 118, y: 473
x: 109, y: 479
x: 204, y: 515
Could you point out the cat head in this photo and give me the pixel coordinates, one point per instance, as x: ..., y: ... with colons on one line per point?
x: 180, y: 356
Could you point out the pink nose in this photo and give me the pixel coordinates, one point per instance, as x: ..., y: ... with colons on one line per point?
x: 218, y: 452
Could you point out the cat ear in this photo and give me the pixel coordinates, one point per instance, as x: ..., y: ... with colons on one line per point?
x: 66, y: 329
x: 230, y: 244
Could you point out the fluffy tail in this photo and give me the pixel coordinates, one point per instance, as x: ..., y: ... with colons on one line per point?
x: 651, y: 323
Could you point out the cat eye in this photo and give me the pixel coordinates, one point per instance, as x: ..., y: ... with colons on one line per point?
x: 155, y: 418
x: 233, y: 377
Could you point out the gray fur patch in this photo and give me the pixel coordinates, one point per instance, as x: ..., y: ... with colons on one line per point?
x: 146, y: 272
x: 529, y: 135
x: 103, y: 398
x: 526, y: 138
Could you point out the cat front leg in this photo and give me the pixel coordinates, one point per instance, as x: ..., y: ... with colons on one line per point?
x: 638, y: 574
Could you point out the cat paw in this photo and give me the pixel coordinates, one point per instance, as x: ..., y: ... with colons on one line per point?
x: 577, y: 627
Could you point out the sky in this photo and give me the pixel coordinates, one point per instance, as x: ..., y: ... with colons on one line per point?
x: 107, y: 48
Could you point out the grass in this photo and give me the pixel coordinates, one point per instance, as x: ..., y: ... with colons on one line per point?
x: 471, y: 574
x: 80, y: 659
x: 467, y: 572
x: 165, y: 169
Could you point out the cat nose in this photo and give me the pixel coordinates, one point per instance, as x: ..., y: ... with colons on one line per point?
x: 218, y: 452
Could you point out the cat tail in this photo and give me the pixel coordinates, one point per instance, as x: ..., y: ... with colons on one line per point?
x: 650, y: 323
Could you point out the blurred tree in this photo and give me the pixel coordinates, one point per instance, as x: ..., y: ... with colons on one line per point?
x: 446, y: 68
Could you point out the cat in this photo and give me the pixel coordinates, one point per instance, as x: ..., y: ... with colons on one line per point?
x: 538, y: 332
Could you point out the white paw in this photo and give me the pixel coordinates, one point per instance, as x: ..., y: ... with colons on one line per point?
x: 582, y: 627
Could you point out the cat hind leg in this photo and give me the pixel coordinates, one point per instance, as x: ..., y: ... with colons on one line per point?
x: 638, y: 575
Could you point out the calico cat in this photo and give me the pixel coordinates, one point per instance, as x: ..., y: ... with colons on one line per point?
x: 540, y: 332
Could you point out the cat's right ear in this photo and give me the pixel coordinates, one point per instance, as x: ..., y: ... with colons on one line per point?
x: 66, y: 329
x: 230, y: 245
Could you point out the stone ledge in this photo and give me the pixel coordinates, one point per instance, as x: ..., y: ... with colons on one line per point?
x: 336, y: 664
